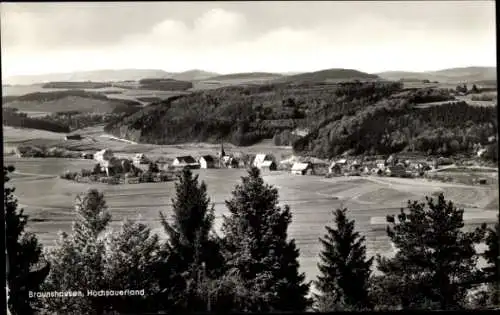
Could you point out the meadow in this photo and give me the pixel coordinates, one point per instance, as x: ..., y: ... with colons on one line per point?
x: 49, y: 201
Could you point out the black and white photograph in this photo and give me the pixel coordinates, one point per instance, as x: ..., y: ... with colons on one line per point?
x: 250, y: 156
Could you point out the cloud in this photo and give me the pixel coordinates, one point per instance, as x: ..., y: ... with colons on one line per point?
x: 220, y: 39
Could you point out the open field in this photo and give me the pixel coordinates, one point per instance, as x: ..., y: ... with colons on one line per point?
x: 48, y: 200
x: 95, y: 139
x: 111, y: 92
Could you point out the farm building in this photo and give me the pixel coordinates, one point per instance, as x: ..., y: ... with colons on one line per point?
x: 185, y: 161
x: 355, y: 165
x: 481, y: 152
x: 391, y: 160
x: 103, y: 155
x: 207, y: 161
x: 268, y: 165
x: 29, y: 151
x: 141, y: 158
x: 73, y: 137
x: 396, y: 170
x: 111, y: 166
x: 335, y: 168
x: 261, y: 158
x: 301, y: 168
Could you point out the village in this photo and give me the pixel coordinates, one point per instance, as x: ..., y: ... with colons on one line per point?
x: 112, y: 168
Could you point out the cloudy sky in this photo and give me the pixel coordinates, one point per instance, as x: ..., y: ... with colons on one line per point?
x: 229, y: 37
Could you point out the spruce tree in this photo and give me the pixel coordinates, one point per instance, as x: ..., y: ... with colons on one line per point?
x: 344, y: 269
x: 77, y: 259
x: 24, y: 255
x: 436, y: 261
x: 131, y: 254
x: 191, y: 251
x: 256, y: 247
x: 492, y: 271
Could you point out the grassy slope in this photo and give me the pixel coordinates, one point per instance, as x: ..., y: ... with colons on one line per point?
x: 466, y: 74
x: 328, y: 75
x: 245, y: 76
x: 71, y: 100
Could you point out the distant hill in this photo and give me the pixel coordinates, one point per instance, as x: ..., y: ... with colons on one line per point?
x: 246, y: 76
x: 69, y: 101
x: 164, y: 84
x: 452, y: 75
x: 329, y: 75
x: 97, y: 75
x: 193, y: 75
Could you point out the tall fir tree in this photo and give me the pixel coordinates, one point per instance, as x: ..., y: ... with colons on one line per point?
x: 131, y: 254
x: 25, y: 269
x: 256, y: 247
x: 192, y: 251
x: 492, y: 271
x: 436, y: 261
x: 344, y: 269
x: 77, y: 259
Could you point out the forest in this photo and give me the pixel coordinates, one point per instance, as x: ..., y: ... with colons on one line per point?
x: 352, y: 117
x: 12, y: 118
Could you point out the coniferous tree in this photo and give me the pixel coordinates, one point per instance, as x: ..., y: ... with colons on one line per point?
x: 492, y: 271
x: 436, y: 262
x: 191, y: 251
x: 131, y: 254
x: 344, y: 269
x: 23, y: 253
x: 77, y: 259
x: 257, y: 248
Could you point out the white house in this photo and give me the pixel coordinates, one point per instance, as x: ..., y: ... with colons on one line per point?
x: 301, y: 168
x: 341, y: 162
x: 141, y: 158
x: 185, y: 161
x: 261, y: 158
x: 335, y: 168
x: 103, y: 155
x: 481, y: 152
x: 207, y: 161
x: 396, y: 170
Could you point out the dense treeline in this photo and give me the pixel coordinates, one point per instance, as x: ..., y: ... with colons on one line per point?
x: 78, y: 120
x: 394, y: 125
x: 253, y: 266
x: 165, y: 84
x: 76, y: 85
x: 247, y: 114
x: 21, y: 120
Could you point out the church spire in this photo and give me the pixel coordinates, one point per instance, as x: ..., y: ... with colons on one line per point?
x: 222, y: 153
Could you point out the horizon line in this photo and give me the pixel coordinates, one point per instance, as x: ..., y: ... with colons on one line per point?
x: 237, y: 72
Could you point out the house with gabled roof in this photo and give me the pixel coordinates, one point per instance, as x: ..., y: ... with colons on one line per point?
x: 301, y: 168
x: 207, y: 161
x: 185, y: 161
